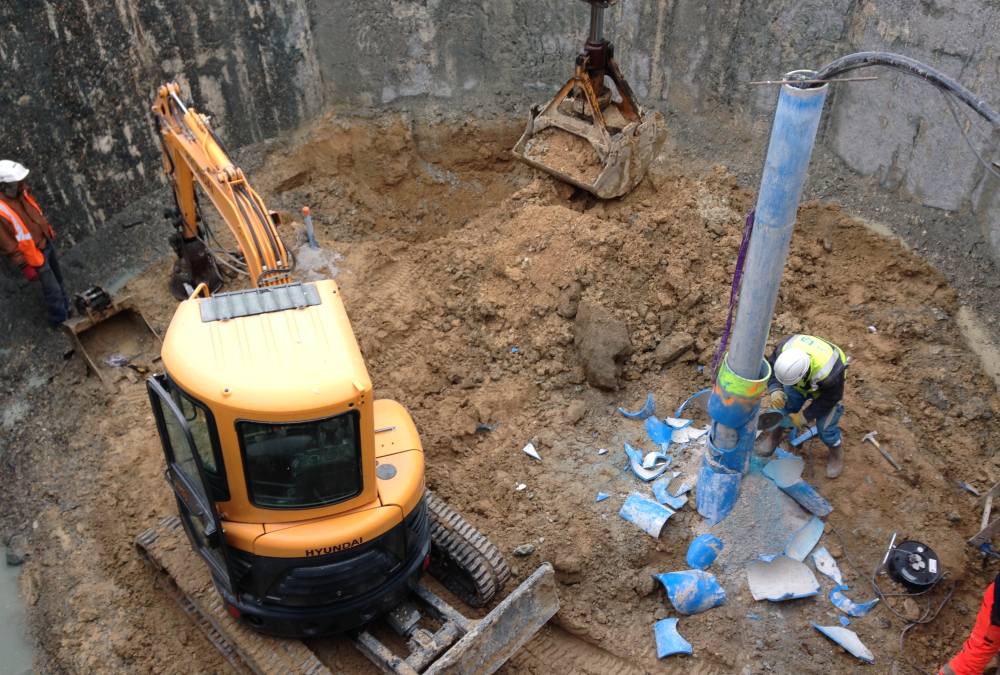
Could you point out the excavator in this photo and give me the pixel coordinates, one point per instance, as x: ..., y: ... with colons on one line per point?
x: 302, y: 497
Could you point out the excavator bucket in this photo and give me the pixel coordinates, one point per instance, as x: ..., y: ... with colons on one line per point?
x: 112, y: 336
x: 582, y: 136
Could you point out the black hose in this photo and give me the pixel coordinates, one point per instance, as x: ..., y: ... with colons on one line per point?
x: 911, y: 67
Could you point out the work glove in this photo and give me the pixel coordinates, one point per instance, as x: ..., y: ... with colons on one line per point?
x: 30, y: 272
x: 797, y: 419
x: 778, y: 399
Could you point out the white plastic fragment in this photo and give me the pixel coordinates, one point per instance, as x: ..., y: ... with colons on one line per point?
x: 687, y: 434
x: 677, y: 422
x: 803, y: 541
x: 635, y: 460
x: 520, y: 487
x: 827, y: 566
x: 847, y: 639
x: 848, y: 606
x: 873, y: 329
x: 653, y: 460
x: 530, y: 451
x: 602, y: 451
x: 779, y: 577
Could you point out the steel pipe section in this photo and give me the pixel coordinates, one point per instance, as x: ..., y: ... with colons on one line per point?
x: 742, y: 380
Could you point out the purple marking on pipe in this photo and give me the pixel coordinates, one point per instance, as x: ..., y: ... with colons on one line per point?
x: 741, y: 259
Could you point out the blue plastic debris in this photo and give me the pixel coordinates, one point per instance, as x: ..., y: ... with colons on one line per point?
x: 661, y: 490
x: 968, y: 488
x: 635, y: 459
x: 646, y: 411
x: 686, y: 434
x: 668, y: 640
x: 514, y: 350
x: 787, y: 475
x: 647, y: 514
x: 784, y: 454
x: 601, y: 496
x: 802, y: 438
x: 654, y: 460
x: 677, y: 423
x: 701, y: 368
x: 803, y: 541
x: 779, y: 577
x: 703, y: 551
x: 753, y: 616
x: 844, y: 621
x: 847, y: 639
x: 483, y: 428
x: 718, y: 489
x: 826, y: 565
x: 692, y: 591
x: 701, y: 398
x: 658, y: 432
x: 845, y: 605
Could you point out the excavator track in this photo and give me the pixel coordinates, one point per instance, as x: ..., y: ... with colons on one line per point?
x: 462, y: 558
x: 186, y: 578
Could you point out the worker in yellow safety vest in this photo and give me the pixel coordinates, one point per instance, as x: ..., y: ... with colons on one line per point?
x: 805, y: 368
x: 27, y: 239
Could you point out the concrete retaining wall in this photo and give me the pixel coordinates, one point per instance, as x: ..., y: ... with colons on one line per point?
x: 80, y: 74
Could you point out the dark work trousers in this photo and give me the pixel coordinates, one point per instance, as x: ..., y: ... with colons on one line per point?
x: 52, y: 285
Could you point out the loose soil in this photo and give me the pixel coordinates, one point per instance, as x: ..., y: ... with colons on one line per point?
x: 459, y: 271
x: 565, y: 152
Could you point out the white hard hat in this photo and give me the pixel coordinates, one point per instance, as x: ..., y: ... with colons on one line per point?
x: 792, y: 366
x: 11, y: 172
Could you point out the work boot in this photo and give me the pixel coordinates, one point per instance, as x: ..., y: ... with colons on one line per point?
x: 770, y: 442
x: 835, y: 465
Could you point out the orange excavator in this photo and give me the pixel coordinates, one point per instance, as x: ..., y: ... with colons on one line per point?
x: 302, y: 494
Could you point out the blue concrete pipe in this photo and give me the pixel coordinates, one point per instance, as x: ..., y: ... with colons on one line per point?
x: 742, y: 379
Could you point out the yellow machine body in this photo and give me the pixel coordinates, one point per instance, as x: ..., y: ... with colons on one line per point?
x: 291, y: 366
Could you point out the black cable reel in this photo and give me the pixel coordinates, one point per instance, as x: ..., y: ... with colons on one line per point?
x: 913, y: 565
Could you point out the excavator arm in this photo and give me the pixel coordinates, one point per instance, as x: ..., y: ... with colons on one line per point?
x: 192, y: 152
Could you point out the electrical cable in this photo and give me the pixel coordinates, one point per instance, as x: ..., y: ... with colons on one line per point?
x: 961, y: 128
x: 923, y: 620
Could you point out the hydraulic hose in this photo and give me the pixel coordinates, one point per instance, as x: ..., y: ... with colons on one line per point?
x: 911, y: 67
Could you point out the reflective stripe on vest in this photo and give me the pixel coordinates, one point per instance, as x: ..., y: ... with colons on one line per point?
x: 25, y: 243
x: 823, y: 356
x: 52, y: 235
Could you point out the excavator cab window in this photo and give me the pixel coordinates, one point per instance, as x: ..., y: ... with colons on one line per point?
x: 302, y: 465
x: 206, y: 437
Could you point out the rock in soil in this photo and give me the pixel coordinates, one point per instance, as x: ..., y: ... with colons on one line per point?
x: 17, y: 550
x: 602, y: 341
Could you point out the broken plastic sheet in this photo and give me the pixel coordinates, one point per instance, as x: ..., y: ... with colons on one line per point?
x: 692, y: 591
x: 718, y: 490
x: 847, y: 639
x: 687, y: 434
x: 647, y: 514
x: 601, y: 496
x: 701, y: 399
x: 787, y: 475
x: 661, y: 490
x: 802, y: 542
x: 847, y: 606
x: 635, y: 459
x: 668, y: 640
x: 779, y: 578
x: 530, y: 451
x: 647, y: 410
x: 653, y: 460
x: 658, y: 432
x: 844, y: 621
x: 827, y: 566
x: 677, y: 423
x: 703, y: 551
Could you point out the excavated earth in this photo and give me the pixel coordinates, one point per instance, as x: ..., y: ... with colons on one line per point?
x: 485, y: 294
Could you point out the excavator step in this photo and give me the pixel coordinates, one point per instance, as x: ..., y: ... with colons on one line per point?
x: 186, y: 579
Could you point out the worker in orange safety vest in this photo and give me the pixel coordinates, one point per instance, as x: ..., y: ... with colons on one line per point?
x: 982, y: 645
x: 27, y: 239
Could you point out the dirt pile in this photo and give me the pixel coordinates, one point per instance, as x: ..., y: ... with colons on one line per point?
x: 481, y: 294
x: 565, y: 152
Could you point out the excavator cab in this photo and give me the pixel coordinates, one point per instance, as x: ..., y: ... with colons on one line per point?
x: 307, y: 522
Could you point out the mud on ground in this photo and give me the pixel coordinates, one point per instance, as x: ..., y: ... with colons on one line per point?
x: 453, y: 258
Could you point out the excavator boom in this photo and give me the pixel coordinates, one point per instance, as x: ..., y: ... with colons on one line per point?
x: 193, y: 152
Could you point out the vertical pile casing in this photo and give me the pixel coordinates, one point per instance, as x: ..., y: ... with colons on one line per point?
x: 742, y: 379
